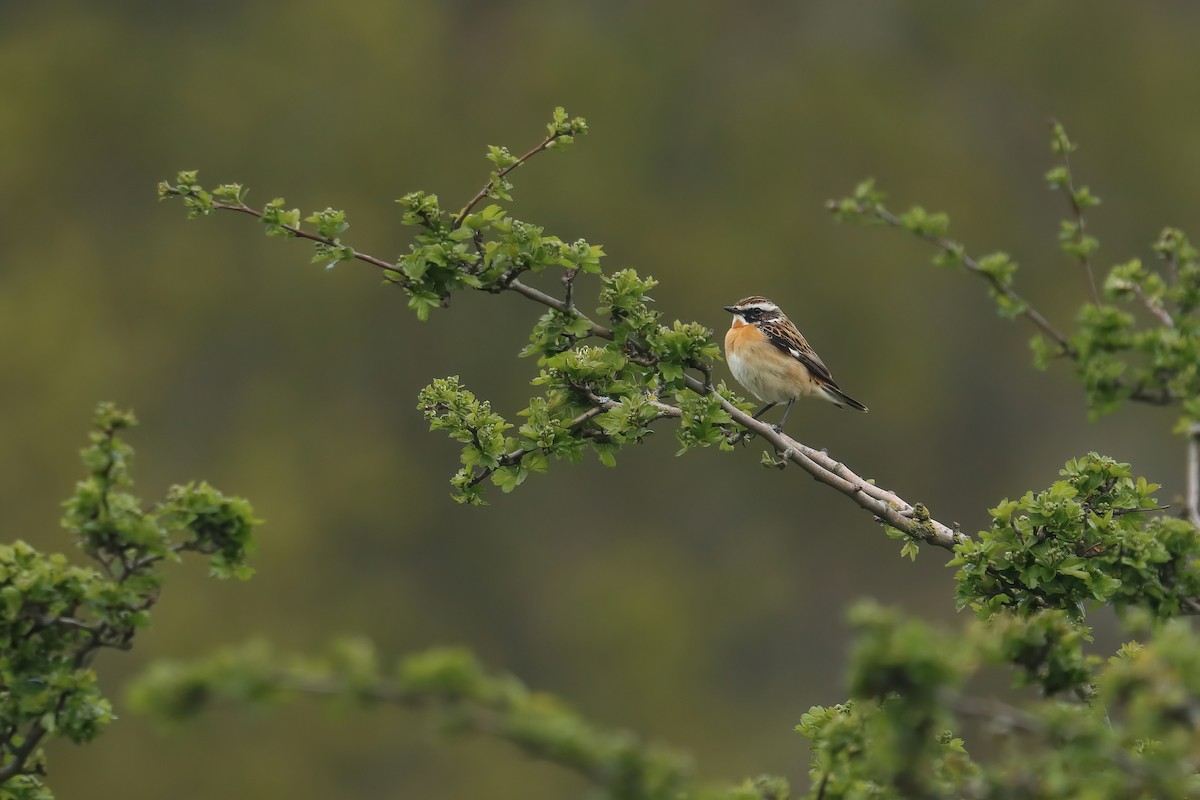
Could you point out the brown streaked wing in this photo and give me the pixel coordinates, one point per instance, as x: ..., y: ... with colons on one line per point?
x: 783, y: 334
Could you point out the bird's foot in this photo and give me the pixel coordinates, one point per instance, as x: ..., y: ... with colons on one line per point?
x: 743, y: 438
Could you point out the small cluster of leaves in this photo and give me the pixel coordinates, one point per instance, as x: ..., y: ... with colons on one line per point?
x: 487, y: 250
x: 451, y: 683
x: 1115, y: 357
x: 1118, y: 356
x: 560, y: 133
x: 1132, y: 736
x: 1088, y: 539
x: 866, y: 206
x: 199, y: 201
x: 1072, y: 235
x: 627, y: 376
x: 54, y: 617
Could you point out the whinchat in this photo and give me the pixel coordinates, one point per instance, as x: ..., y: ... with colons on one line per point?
x: 774, y: 361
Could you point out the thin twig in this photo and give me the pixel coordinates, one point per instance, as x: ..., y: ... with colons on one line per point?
x: 824, y: 785
x: 491, y: 184
x: 300, y: 233
x: 998, y: 714
x: 508, y: 459
x: 1028, y: 311
x: 1155, y: 397
x: 568, y: 280
x: 600, y: 406
x: 1152, y: 306
x: 887, y: 506
x: 1193, y: 475
x: 1080, y: 222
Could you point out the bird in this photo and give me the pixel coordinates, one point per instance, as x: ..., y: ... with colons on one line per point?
x: 773, y: 360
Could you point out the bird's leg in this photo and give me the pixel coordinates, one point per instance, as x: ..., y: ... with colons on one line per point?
x: 779, y: 428
x: 765, y: 409
x: 747, y: 435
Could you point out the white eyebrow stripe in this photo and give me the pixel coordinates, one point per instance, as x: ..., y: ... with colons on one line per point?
x: 761, y: 307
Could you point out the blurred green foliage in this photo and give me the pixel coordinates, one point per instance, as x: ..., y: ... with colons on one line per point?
x: 718, y: 136
x: 56, y: 617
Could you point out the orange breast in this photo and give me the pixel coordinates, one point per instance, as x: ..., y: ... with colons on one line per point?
x: 770, y: 374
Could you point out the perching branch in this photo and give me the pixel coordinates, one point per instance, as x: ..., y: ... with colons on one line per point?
x: 886, y: 506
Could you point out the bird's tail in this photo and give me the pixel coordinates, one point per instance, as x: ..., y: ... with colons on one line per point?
x: 841, y: 399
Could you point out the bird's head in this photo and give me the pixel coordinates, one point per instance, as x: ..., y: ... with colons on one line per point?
x: 752, y: 310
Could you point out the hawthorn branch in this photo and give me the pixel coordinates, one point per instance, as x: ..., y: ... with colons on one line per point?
x: 1080, y: 223
x: 498, y: 176
x: 600, y: 406
x: 1153, y: 306
x: 885, y: 505
x: 1138, y: 392
x: 300, y: 233
x: 972, y: 265
x: 1193, y: 475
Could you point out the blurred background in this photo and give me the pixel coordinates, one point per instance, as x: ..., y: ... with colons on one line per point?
x: 713, y: 617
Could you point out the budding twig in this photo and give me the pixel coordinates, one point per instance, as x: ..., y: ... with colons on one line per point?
x: 1027, y: 310
x: 495, y: 179
x: 1193, y: 475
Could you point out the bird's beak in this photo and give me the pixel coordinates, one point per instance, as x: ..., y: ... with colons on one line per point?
x: 731, y: 309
